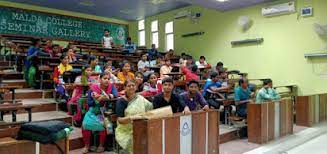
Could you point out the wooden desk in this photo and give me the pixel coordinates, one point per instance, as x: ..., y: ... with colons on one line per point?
x: 311, y: 110
x: 178, y: 134
x: 13, y: 108
x: 43, y: 69
x: 175, y: 75
x: 270, y: 120
x: 12, y: 89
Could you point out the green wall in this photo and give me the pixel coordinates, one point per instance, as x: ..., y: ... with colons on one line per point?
x: 280, y: 57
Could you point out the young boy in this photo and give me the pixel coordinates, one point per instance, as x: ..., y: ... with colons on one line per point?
x: 193, y: 98
x: 143, y: 65
x: 168, y: 98
x: 267, y: 93
x: 202, y: 62
x: 129, y: 45
x: 107, y: 40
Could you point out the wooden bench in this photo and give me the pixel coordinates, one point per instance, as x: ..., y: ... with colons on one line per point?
x: 13, y: 108
x: 12, y: 89
x: 8, y: 144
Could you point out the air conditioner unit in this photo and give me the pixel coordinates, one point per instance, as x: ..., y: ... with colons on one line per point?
x: 182, y: 14
x: 285, y: 8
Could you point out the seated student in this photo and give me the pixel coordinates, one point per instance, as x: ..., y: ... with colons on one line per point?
x: 213, y: 86
x: 125, y: 74
x: 139, y: 78
x: 56, y: 51
x: 182, y: 58
x: 71, y: 56
x: 169, y: 54
x: 113, y: 78
x: 193, y: 98
x: 94, y: 65
x: 129, y: 45
x: 202, y: 63
x: 267, y: 93
x: 152, y: 86
x: 78, y: 91
x: 58, y: 76
x: 190, y: 74
x: 219, y: 68
x: 158, y: 62
x: 165, y: 69
x: 127, y: 108
x: 48, y: 47
x: 242, y: 97
x: 31, y: 62
x: 168, y: 98
x: 109, y: 63
x: 153, y: 52
x: 98, y: 95
x: 143, y: 65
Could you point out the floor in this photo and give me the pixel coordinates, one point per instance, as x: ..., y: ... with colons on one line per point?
x: 315, y: 146
x: 241, y: 146
x: 310, y: 140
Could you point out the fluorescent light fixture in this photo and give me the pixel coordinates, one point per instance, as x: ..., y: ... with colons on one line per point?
x: 221, y: 0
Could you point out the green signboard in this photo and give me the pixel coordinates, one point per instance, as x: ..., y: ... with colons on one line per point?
x: 37, y: 24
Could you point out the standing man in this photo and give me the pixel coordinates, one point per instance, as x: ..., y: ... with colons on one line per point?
x: 107, y: 41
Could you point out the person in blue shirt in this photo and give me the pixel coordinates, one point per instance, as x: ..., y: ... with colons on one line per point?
x: 31, y: 62
x: 242, y: 97
x: 129, y: 45
x: 212, y: 91
x: 153, y: 52
x: 213, y: 84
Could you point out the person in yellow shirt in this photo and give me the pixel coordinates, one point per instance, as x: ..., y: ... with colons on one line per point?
x: 64, y: 65
x: 57, y: 76
x: 126, y: 73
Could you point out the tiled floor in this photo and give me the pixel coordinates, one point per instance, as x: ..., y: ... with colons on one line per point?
x: 241, y: 146
x: 299, y: 139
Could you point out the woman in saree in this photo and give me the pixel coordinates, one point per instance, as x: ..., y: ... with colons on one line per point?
x: 127, y: 109
x: 77, y: 94
x: 98, y: 95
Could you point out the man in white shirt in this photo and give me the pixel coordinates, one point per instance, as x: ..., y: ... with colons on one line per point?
x: 202, y: 62
x: 107, y: 40
x: 143, y: 65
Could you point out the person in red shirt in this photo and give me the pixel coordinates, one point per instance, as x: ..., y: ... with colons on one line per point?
x: 48, y: 47
x: 190, y: 74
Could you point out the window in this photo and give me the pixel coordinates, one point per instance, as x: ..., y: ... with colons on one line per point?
x: 155, y: 33
x: 169, y: 31
x: 141, y: 29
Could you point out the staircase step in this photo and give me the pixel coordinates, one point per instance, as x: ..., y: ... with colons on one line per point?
x: 13, y: 75
x: 29, y: 94
x: 76, y: 139
x: 227, y: 133
x: 15, y: 82
x: 45, y: 105
x: 6, y: 63
x: 42, y: 116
